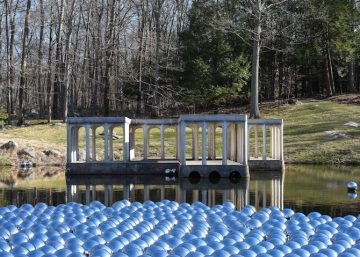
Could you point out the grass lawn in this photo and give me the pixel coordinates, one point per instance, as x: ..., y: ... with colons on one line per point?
x: 305, y: 140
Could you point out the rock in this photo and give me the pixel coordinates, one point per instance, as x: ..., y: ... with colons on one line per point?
x: 9, y: 147
x: 352, y: 124
x: 294, y: 101
x: 56, y: 124
x: 51, y: 152
x: 333, y: 135
x: 27, y: 152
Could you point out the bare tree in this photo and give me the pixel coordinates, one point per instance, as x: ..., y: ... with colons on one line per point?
x: 22, y: 84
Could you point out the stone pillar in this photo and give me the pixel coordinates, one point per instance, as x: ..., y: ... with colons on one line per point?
x: 233, y: 142
x: 281, y: 141
x: 247, y: 132
x: 209, y: 142
x: 106, y: 142
x: 146, y: 193
x: 264, y: 193
x: 126, y: 191
x: 182, y: 195
x: 264, y: 143
x: 94, y: 192
x: 93, y: 132
x: 256, y: 143
x: 177, y: 143
x: 106, y: 195
x: 162, y: 192
x: 131, y: 142
x: 111, y: 194
x: 224, y: 143
x: 69, y: 143
x: 74, y: 155
x: 87, y: 194
x: 195, y: 195
x: 146, y: 141
x: 126, y: 142
x: 203, y: 142
x: 276, y: 143
x: 162, y: 146
x: 195, y: 142
x: 239, y: 142
x: 87, y: 134
x: 111, y: 147
x: 182, y: 143
x: 204, y: 196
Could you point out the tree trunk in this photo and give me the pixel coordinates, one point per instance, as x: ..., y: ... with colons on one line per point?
x: 351, y: 84
x: 49, y: 88
x: 58, y: 63
x: 40, y: 56
x: 23, y: 66
x: 328, y: 80
x: 331, y: 73
x: 10, y: 38
x: 254, y: 103
x: 108, y: 61
x: 157, y: 15
x: 68, y: 60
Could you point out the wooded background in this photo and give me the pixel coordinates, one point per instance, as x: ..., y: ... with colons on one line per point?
x: 61, y: 58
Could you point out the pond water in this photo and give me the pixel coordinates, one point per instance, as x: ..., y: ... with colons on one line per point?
x: 302, y: 188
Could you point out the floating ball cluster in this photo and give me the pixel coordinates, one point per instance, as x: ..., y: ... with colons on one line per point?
x: 168, y: 229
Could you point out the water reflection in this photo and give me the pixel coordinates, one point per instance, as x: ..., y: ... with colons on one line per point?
x: 267, y: 190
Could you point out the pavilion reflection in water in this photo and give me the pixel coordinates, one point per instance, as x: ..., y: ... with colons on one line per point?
x: 261, y: 190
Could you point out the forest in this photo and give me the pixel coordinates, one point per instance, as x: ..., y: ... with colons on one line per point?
x: 151, y: 58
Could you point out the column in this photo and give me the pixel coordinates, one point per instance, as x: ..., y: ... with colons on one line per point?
x: 74, y: 153
x: 195, y: 195
x: 276, y: 143
x: 126, y: 142
x: 182, y: 195
x: 214, y: 142
x: 272, y: 142
x: 204, y: 196
x: 281, y: 141
x: 247, y: 136
x: 87, y: 134
x: 239, y: 141
x: 106, y: 195
x: 162, y: 147
x: 68, y: 193
x: 182, y: 143
x: 94, y: 192
x: 126, y: 192
x: 146, y: 141
x: 233, y: 142
x: 87, y: 194
x: 224, y: 137
x: 162, y: 192
x: 93, y: 131
x: 203, y: 142
x: 264, y: 143
x: 106, y: 142
x: 131, y: 141
x: 146, y: 193
x: 256, y: 143
x: 195, y: 143
x: 256, y: 195
x: 111, y: 194
x: 177, y: 143
x: 111, y: 148
x: 264, y: 193
x: 69, y: 143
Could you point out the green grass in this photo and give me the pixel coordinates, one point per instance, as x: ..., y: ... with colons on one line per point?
x: 304, y: 132
x: 304, y: 135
